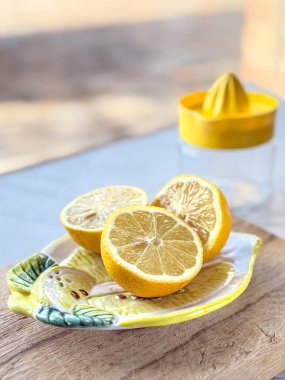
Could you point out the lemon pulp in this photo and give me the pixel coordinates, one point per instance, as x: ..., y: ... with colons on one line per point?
x: 202, y: 206
x: 85, y: 217
x: 149, y: 251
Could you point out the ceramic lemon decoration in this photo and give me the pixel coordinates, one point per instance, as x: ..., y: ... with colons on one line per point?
x: 52, y: 293
x: 61, y: 287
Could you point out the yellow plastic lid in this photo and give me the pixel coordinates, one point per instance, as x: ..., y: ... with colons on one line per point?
x: 227, y: 116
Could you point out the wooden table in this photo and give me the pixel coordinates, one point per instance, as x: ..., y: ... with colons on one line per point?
x: 244, y: 340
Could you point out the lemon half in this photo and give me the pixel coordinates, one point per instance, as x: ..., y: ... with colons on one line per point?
x: 85, y: 217
x: 202, y: 206
x: 149, y: 251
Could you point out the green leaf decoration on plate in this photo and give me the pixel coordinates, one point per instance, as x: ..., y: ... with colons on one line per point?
x: 89, y: 311
x: 22, y: 276
x: 81, y: 318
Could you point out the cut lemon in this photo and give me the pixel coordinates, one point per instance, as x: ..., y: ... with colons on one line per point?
x: 149, y: 251
x: 85, y: 217
x: 202, y: 206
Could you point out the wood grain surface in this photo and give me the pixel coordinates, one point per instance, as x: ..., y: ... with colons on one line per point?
x: 244, y: 340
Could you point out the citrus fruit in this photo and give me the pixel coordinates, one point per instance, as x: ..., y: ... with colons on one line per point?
x: 85, y: 217
x: 149, y: 251
x: 61, y: 287
x: 202, y: 206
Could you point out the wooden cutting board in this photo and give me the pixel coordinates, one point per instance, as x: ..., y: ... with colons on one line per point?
x: 244, y: 340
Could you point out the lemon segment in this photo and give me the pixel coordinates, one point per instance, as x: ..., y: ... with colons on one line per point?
x: 149, y: 251
x: 85, y: 217
x: 202, y: 206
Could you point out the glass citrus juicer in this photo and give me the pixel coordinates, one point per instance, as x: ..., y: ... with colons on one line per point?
x: 226, y: 135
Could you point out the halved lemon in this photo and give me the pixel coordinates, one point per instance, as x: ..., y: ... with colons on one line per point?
x: 202, y: 206
x: 85, y: 217
x: 149, y: 251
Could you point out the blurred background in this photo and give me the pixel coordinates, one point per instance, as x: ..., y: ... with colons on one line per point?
x: 79, y: 74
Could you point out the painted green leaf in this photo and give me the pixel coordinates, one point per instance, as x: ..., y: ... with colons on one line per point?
x: 52, y: 316
x: 23, y: 275
x: 90, y: 311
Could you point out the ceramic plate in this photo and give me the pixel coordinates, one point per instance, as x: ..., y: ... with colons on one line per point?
x: 67, y: 286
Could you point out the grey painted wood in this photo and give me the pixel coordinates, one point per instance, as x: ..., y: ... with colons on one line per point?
x: 31, y: 199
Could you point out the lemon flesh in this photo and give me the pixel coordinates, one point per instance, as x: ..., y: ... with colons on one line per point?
x: 85, y: 217
x: 202, y: 206
x: 150, y: 252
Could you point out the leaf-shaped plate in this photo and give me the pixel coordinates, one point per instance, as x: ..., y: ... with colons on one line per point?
x: 78, y: 292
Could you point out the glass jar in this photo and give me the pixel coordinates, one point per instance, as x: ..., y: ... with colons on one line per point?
x: 226, y: 136
x: 244, y: 175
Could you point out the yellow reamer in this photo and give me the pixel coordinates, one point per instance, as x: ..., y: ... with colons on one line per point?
x: 226, y: 116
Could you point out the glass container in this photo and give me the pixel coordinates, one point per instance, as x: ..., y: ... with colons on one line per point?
x: 226, y: 136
